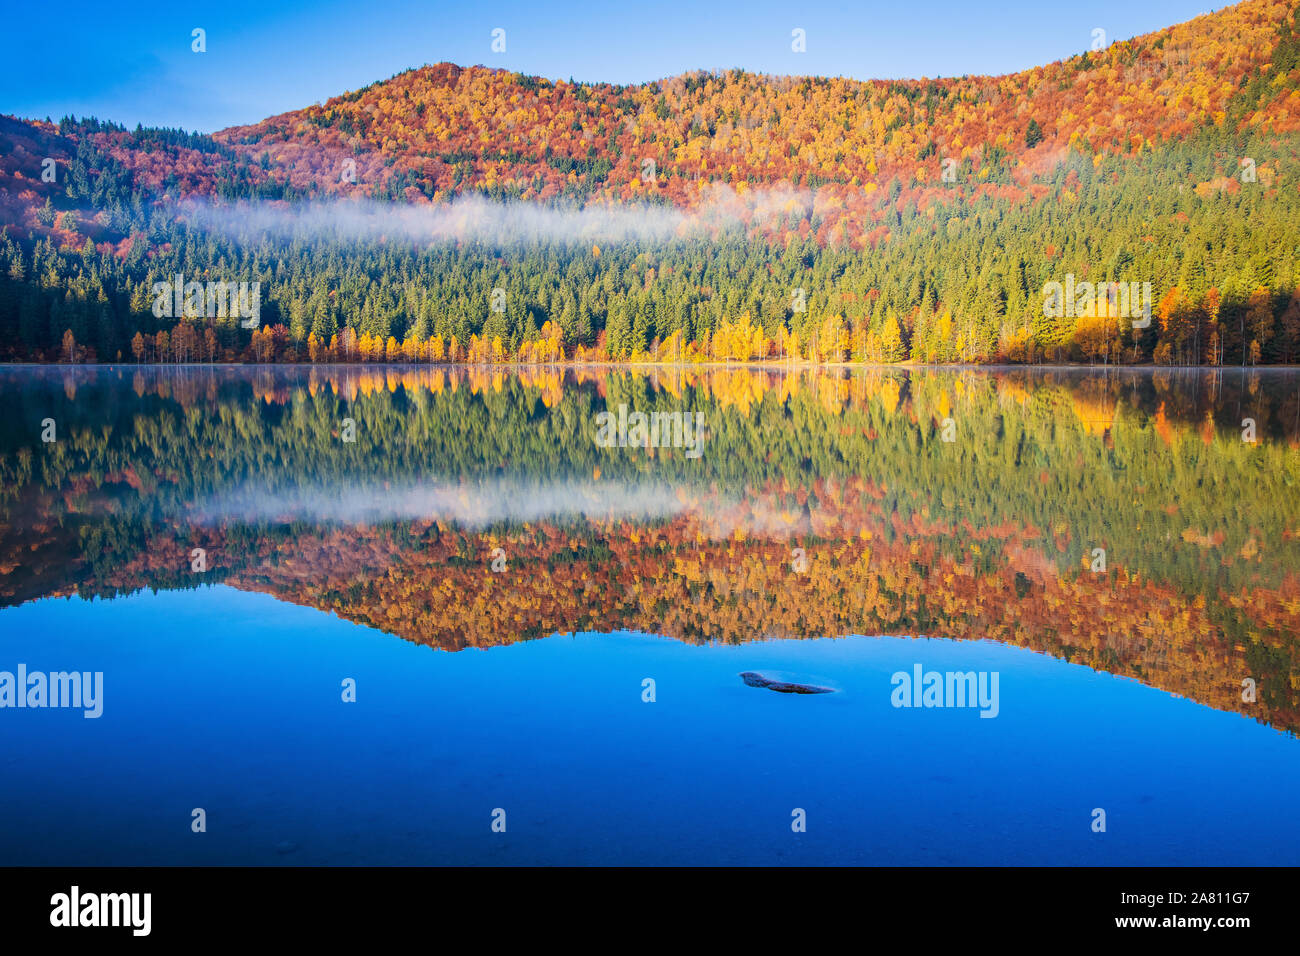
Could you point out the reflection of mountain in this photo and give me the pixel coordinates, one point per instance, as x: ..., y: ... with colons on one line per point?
x: 991, y: 536
x: 866, y: 573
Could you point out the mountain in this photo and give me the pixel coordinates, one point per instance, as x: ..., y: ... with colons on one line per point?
x: 442, y: 129
x: 827, y: 219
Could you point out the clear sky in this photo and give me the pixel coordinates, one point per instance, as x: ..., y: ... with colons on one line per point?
x: 131, y: 61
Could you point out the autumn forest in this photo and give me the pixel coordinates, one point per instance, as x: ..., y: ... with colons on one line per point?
x: 473, y: 215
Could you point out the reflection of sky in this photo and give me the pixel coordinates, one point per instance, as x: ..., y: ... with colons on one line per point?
x: 231, y: 702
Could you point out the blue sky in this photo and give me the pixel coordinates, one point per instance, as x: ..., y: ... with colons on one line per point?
x: 132, y: 61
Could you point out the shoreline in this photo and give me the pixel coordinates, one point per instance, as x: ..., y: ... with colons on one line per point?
x: 682, y: 366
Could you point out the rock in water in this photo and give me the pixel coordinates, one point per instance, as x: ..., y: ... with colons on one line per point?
x: 754, y: 679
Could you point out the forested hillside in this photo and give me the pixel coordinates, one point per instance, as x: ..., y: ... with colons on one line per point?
x: 735, y: 217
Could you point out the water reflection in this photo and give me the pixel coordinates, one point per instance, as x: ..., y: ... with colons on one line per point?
x: 1141, y: 522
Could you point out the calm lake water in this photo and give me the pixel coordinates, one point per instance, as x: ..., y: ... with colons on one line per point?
x: 369, y: 615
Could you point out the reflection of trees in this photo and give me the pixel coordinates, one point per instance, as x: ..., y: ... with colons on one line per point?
x: 724, y: 572
x: 1129, y: 461
x: 986, y: 536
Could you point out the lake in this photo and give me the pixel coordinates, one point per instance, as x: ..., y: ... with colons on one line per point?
x: 409, y: 615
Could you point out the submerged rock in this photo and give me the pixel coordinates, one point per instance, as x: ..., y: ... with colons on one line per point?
x: 754, y: 679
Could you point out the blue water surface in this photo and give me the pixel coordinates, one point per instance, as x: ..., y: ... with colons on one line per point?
x: 232, y: 702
